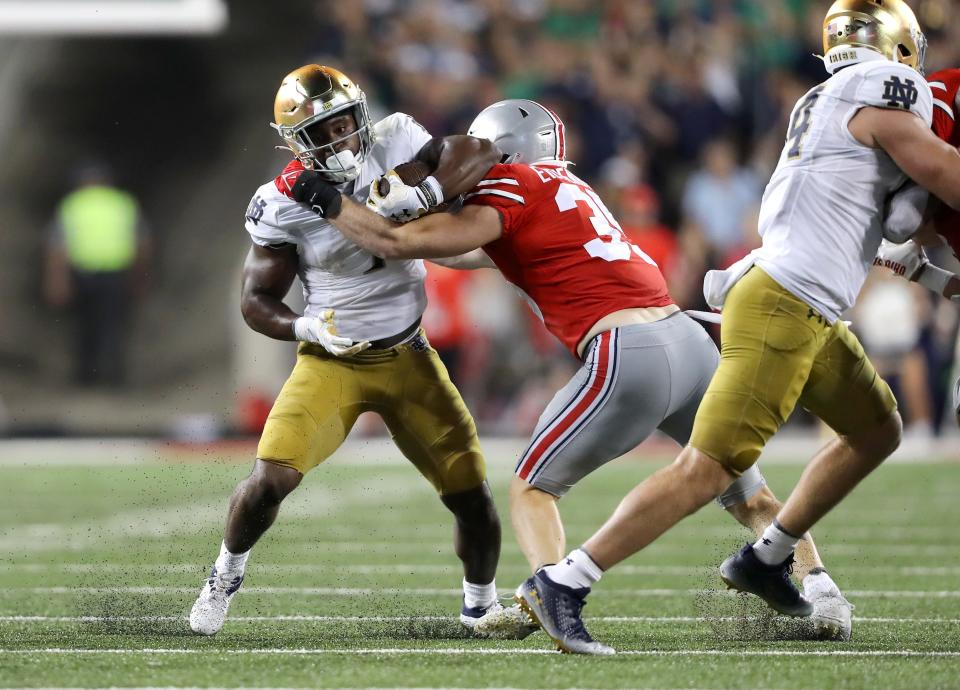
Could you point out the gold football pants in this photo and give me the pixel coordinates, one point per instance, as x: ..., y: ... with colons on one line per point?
x: 407, y: 385
x: 777, y: 351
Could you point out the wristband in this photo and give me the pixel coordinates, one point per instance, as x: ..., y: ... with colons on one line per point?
x: 934, y: 278
x: 432, y: 191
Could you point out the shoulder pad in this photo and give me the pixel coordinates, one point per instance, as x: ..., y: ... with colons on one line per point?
x: 888, y: 84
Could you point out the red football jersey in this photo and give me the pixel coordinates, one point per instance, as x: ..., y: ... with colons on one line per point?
x: 564, y: 249
x: 945, y: 86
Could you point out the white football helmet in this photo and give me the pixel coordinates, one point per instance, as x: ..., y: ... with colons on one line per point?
x: 523, y: 130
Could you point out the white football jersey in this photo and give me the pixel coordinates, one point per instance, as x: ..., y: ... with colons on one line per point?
x: 372, y: 298
x: 821, y: 214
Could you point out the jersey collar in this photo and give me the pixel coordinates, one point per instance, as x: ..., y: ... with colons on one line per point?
x: 844, y: 56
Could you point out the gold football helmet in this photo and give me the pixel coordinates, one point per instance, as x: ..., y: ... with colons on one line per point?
x: 313, y: 93
x: 886, y: 26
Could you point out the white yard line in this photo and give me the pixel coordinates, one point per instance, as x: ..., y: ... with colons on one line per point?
x: 443, y: 591
x: 787, y: 448
x: 461, y: 651
x: 406, y: 619
x: 410, y: 568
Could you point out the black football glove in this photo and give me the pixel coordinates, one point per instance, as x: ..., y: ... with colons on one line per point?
x: 311, y: 189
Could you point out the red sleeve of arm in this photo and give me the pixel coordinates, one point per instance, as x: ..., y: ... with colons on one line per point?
x: 944, y: 86
x: 504, y: 190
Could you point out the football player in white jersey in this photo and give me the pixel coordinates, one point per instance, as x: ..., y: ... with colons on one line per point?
x: 851, y: 142
x: 361, y: 346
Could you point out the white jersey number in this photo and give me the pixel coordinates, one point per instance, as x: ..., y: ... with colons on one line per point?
x: 800, y: 122
x: 618, y: 248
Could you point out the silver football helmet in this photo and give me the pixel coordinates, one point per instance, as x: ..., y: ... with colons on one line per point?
x: 524, y: 131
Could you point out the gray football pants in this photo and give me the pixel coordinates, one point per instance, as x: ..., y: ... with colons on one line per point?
x: 634, y: 379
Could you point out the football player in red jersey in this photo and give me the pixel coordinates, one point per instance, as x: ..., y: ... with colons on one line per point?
x: 646, y: 364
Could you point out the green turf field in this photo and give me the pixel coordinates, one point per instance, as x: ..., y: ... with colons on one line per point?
x: 357, y: 587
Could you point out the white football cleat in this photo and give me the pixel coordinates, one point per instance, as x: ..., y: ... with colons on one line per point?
x: 501, y: 623
x: 210, y: 609
x: 831, y: 617
x: 832, y: 613
x: 497, y: 622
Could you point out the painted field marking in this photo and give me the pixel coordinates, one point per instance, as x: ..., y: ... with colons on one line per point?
x: 406, y: 619
x: 411, y: 568
x: 443, y: 591
x: 459, y: 651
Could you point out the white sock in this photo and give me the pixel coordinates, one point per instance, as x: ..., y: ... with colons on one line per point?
x: 231, y: 562
x: 776, y: 545
x: 576, y: 571
x: 818, y: 583
x: 479, y: 596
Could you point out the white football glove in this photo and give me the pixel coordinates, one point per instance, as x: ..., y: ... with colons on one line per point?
x: 321, y: 330
x: 904, y: 212
x: 402, y: 202
x: 905, y: 260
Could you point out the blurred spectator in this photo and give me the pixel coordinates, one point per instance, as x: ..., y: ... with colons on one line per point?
x: 891, y: 316
x: 96, y: 263
x: 720, y: 196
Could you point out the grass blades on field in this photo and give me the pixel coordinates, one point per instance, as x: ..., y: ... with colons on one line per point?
x: 357, y: 586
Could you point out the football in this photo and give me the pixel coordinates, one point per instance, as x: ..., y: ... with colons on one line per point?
x: 412, y: 173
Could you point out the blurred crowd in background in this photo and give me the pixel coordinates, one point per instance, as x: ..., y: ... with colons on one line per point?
x: 675, y: 112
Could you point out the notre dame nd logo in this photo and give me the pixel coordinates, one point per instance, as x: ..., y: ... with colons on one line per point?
x: 255, y: 209
x: 900, y: 94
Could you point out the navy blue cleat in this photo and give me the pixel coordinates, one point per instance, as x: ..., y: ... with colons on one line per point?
x: 557, y: 609
x: 744, y: 572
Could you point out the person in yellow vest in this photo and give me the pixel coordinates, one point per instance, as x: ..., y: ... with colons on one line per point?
x: 96, y: 264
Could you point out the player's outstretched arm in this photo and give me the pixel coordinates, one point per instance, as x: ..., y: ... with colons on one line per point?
x: 928, y: 160
x: 268, y: 273
x: 458, y: 162
x: 466, y: 262
x: 433, y: 236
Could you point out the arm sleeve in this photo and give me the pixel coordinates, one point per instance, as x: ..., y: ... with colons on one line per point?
x: 504, y: 190
x: 943, y: 87
x: 892, y: 85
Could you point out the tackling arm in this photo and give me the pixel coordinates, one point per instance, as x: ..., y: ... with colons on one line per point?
x: 434, y: 235
x: 458, y: 162
x: 466, y: 262
x: 268, y: 273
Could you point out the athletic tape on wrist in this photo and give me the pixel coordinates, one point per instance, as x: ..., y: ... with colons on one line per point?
x: 432, y: 191
x: 934, y: 278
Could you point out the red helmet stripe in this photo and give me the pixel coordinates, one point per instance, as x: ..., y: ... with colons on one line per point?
x: 561, y: 145
x: 557, y: 131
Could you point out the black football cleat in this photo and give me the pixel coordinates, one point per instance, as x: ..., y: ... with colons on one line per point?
x: 557, y: 610
x: 744, y: 572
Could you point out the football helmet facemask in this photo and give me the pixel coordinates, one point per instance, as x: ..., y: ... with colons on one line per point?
x: 523, y: 130
x: 888, y: 27
x: 313, y: 93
